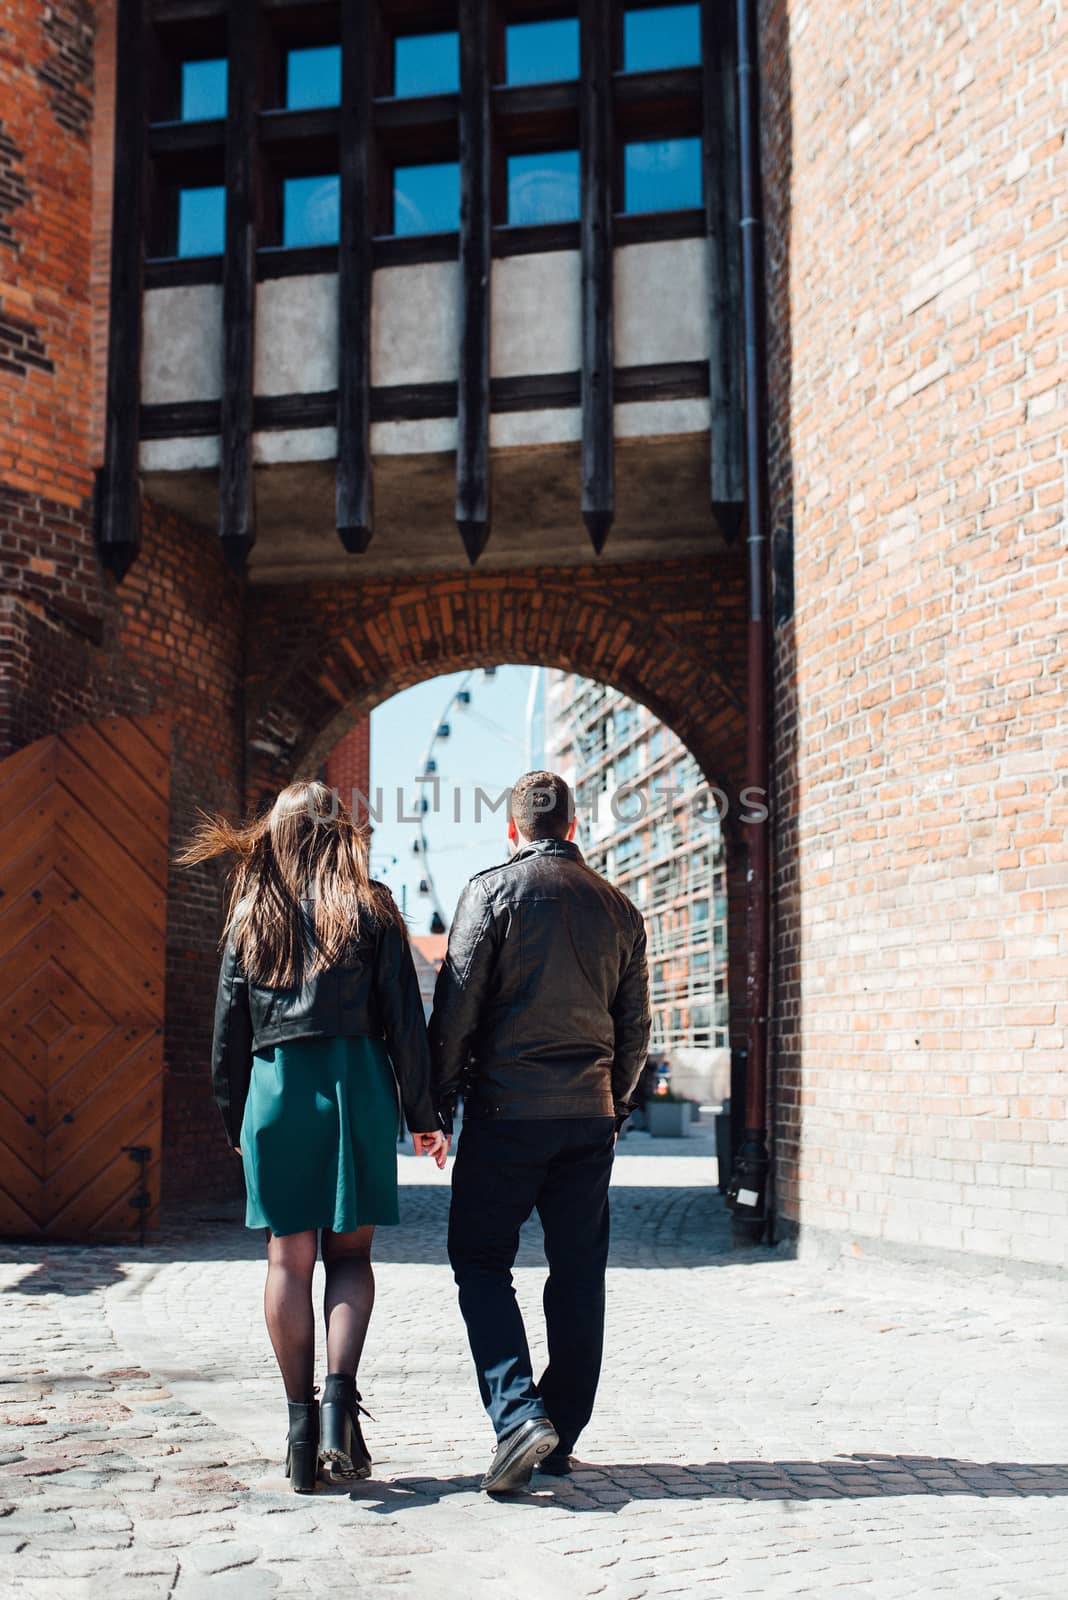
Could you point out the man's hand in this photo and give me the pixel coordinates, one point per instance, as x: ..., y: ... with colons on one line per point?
x: 237, y: 1149
x: 437, y: 1145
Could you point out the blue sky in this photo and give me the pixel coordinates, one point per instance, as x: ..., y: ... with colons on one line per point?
x: 486, y: 747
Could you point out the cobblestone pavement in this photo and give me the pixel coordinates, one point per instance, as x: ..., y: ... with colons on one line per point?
x: 766, y: 1426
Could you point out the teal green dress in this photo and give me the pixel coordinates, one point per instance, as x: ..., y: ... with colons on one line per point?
x: 319, y: 1136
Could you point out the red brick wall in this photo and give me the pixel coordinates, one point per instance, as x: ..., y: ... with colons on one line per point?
x: 100, y: 228
x: 348, y: 765
x: 74, y: 645
x: 45, y: 175
x: 916, y: 170
x: 671, y: 635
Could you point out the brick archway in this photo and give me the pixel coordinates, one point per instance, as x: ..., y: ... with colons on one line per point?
x: 672, y: 636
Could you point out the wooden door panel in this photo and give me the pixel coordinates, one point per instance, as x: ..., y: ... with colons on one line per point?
x: 151, y: 761
x: 83, y: 875
x: 25, y: 1092
x: 21, y: 920
x: 132, y: 791
x: 75, y: 1123
x: 27, y: 859
x: 27, y: 993
x: 21, y: 1138
x: 78, y: 1062
x: 87, y: 1166
x: 116, y: 1216
x: 101, y: 972
x: 31, y: 755
x: 138, y: 834
x: 28, y: 799
x: 20, y: 1218
x: 96, y: 885
x: 80, y: 1205
x: 135, y: 968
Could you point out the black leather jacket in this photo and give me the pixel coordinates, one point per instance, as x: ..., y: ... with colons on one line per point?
x: 541, y: 1006
x: 374, y: 992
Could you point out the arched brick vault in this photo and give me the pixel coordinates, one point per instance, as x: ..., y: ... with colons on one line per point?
x: 671, y: 635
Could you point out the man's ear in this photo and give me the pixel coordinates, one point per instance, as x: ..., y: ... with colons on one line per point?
x: 513, y: 831
x: 572, y: 825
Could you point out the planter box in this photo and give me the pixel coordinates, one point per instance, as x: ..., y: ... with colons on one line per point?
x: 668, y: 1119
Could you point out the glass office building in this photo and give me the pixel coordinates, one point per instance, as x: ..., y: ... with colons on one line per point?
x: 647, y: 821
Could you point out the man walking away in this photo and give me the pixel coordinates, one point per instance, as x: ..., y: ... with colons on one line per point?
x: 541, y: 1015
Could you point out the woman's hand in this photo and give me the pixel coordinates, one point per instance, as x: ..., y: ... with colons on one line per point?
x: 237, y: 1149
x: 432, y: 1144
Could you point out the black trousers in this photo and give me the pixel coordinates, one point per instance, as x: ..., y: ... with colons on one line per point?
x: 504, y: 1170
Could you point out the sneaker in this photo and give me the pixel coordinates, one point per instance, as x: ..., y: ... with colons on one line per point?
x: 517, y: 1454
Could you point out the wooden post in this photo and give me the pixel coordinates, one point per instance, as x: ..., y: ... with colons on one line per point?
x: 354, y: 482
x: 117, y: 506
x: 473, y: 398
x: 237, y: 515
x: 724, y: 265
x: 595, y: 137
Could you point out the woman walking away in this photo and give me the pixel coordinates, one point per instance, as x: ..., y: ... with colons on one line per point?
x: 317, y: 997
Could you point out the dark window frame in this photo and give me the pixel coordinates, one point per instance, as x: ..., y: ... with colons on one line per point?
x: 617, y: 35
x: 386, y: 73
x: 280, y: 224
x: 408, y: 130
x: 619, y: 156
x: 525, y: 11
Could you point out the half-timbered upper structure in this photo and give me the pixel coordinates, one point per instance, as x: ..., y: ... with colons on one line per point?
x: 408, y: 273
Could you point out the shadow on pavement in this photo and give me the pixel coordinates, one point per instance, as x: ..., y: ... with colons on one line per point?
x: 69, y: 1270
x: 652, y: 1226
x: 661, y: 1226
x: 609, y: 1487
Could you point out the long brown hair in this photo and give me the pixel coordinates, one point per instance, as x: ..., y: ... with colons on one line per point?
x: 306, y: 844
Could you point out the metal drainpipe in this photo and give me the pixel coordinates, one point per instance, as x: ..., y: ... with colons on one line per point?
x: 749, y: 1179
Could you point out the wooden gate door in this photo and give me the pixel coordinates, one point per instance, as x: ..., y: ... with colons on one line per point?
x: 83, y: 878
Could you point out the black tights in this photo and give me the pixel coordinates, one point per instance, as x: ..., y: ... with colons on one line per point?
x: 347, y: 1303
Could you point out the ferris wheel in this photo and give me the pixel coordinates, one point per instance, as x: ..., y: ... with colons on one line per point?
x: 460, y: 700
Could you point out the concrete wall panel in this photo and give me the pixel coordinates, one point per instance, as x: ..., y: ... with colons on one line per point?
x: 296, y: 334
x: 661, y: 302
x: 414, y: 323
x: 536, y: 314
x: 181, y: 346
x: 180, y: 455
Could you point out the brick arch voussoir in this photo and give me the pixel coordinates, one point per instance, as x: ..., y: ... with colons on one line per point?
x: 368, y: 654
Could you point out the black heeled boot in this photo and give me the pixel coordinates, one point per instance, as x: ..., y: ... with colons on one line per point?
x: 341, y: 1441
x: 302, y: 1446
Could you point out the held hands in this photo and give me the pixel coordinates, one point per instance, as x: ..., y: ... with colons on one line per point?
x: 437, y: 1145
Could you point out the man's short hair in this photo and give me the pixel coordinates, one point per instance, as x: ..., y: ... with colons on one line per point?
x: 541, y: 805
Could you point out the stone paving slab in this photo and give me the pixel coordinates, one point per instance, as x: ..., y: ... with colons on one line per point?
x: 766, y: 1426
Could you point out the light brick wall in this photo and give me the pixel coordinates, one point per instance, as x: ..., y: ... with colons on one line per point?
x: 917, y: 192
